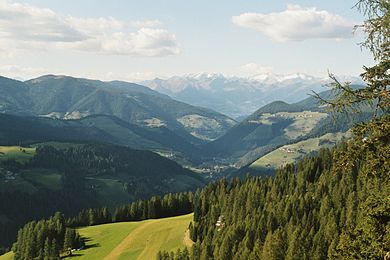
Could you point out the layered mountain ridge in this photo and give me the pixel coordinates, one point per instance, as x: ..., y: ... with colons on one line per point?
x: 73, y: 98
x: 240, y: 96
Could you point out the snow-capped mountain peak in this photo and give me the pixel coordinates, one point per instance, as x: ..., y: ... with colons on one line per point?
x: 237, y: 96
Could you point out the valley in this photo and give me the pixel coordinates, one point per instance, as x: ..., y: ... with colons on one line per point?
x: 106, y: 160
x: 103, y: 158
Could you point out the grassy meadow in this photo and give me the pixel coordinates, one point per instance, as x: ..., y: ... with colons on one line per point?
x: 134, y: 240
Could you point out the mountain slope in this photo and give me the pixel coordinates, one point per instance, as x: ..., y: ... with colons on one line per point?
x: 277, y: 124
x: 323, y: 207
x: 266, y: 130
x: 293, y: 152
x: 73, y: 98
x: 18, y: 130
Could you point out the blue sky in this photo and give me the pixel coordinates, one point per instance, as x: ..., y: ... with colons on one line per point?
x: 136, y: 40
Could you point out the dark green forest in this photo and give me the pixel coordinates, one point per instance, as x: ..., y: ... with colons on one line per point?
x: 312, y: 210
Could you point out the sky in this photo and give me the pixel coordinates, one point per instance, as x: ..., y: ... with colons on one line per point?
x: 138, y: 40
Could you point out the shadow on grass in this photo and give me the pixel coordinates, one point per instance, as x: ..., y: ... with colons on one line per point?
x: 88, y: 239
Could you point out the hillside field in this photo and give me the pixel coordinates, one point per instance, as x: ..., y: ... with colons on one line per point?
x: 303, y: 122
x: 16, y: 152
x: 293, y: 152
x: 132, y: 240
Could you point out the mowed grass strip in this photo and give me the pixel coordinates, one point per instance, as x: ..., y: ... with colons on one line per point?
x: 134, y: 240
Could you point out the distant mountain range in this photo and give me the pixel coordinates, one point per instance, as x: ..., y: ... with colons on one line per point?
x: 238, y: 97
x: 74, y: 98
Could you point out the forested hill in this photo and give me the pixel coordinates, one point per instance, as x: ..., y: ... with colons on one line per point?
x: 73, y: 98
x: 324, y: 207
x: 23, y: 130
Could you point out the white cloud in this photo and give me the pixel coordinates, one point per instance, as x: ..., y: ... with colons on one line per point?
x: 252, y: 69
x: 131, y: 77
x: 297, y: 23
x: 21, y: 73
x: 26, y: 73
x: 23, y: 26
x: 146, y: 23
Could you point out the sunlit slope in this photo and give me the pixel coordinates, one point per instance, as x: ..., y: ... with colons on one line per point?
x: 7, y: 256
x: 16, y: 152
x: 293, y: 152
x: 134, y: 240
x: 265, y: 130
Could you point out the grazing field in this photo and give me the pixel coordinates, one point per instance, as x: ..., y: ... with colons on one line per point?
x: 293, y: 152
x: 16, y: 152
x: 135, y: 240
x: 303, y: 122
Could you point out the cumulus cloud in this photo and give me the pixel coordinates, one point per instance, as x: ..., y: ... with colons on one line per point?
x: 146, y: 23
x: 297, y: 23
x: 25, y: 27
x: 255, y: 69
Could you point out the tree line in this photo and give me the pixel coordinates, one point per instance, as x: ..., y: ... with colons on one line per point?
x: 170, y: 205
